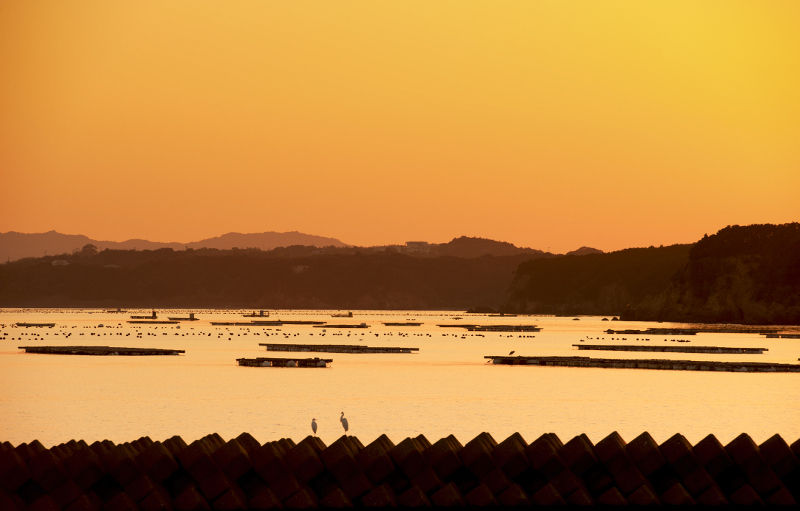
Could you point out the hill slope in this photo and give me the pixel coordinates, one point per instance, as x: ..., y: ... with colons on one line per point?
x: 594, y: 283
x: 252, y: 278
x: 466, y: 246
x: 748, y: 275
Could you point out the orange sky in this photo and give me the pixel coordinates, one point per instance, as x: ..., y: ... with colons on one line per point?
x: 546, y: 123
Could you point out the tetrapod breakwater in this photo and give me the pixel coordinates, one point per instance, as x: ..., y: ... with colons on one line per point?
x: 242, y: 473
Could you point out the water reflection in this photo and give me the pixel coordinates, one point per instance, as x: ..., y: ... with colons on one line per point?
x: 446, y: 388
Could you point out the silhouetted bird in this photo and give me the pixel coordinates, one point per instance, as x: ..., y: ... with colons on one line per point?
x: 314, y: 426
x: 344, y: 423
x: 511, y: 353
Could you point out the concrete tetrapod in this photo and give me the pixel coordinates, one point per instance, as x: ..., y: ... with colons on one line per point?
x: 242, y: 473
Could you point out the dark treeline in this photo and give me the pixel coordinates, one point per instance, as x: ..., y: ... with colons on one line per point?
x: 91, y: 256
x: 743, y: 274
x: 740, y: 275
x: 252, y: 278
x: 603, y: 284
x: 748, y: 275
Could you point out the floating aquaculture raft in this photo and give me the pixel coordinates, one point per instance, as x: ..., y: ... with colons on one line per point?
x: 694, y: 331
x: 148, y: 322
x: 265, y: 323
x: 668, y: 365
x: 98, y: 350
x: 336, y: 348
x: 672, y: 349
x: 284, y: 362
x: 505, y: 328
x: 360, y: 325
x: 496, y: 328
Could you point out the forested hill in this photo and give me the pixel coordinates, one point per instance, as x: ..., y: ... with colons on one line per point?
x: 748, y: 274
x: 594, y: 283
x: 739, y: 275
x: 466, y: 246
x: 256, y: 279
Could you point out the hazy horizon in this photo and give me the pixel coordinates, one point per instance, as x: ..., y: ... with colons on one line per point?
x: 345, y: 242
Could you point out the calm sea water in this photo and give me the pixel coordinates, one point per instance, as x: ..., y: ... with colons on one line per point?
x: 445, y: 388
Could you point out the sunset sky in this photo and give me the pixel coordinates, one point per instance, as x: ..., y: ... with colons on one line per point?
x: 543, y: 123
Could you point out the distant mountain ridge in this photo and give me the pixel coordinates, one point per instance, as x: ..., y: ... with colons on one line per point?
x: 16, y: 245
x: 265, y: 241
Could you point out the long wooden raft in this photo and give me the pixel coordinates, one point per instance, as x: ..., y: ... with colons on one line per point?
x: 666, y: 365
x: 151, y: 322
x: 98, y: 350
x: 496, y: 328
x: 335, y: 348
x: 672, y: 349
x: 284, y: 362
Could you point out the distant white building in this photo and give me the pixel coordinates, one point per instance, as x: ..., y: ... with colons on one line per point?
x: 417, y: 246
x: 60, y: 262
x: 299, y: 269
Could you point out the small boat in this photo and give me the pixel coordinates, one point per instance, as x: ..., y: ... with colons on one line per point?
x: 348, y: 314
x: 260, y: 314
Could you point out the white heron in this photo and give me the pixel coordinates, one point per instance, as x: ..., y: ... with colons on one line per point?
x: 344, y: 423
x: 314, y: 426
